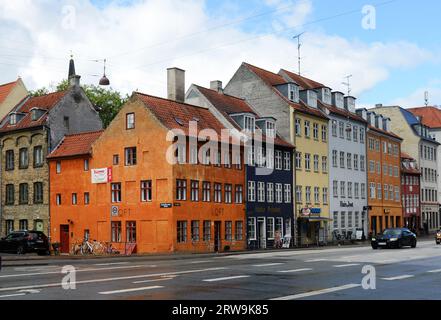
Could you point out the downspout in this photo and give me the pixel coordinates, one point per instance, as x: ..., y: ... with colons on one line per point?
x: 47, y: 129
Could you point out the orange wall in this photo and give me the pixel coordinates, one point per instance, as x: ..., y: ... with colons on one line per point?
x: 156, y: 227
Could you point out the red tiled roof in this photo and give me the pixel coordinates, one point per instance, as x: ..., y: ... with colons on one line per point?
x: 344, y: 113
x: 303, y: 82
x: 387, y: 133
x: 430, y: 116
x: 5, y: 90
x: 273, y: 79
x: 45, y: 102
x: 228, y: 105
x: 75, y: 145
x: 406, y: 156
x: 175, y: 115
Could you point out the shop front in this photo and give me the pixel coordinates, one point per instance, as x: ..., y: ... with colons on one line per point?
x: 312, y: 227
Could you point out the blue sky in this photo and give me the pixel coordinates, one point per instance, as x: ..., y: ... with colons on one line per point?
x: 393, y: 64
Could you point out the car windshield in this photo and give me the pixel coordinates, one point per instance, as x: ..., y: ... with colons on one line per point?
x: 14, y: 235
x: 392, y: 232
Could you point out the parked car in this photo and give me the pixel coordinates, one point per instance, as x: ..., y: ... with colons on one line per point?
x: 21, y: 242
x: 394, y: 238
x: 438, y: 237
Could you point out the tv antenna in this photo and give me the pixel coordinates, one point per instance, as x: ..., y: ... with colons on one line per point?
x: 299, y: 47
x: 426, y: 98
x: 348, y: 83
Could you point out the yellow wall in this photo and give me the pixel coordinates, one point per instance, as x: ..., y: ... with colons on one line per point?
x: 18, y: 93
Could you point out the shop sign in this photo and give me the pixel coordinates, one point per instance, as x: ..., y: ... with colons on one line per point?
x: 346, y: 204
x: 166, y: 205
x: 103, y: 175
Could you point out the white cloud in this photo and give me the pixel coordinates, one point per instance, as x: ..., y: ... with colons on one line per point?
x: 31, y: 32
x: 417, y: 98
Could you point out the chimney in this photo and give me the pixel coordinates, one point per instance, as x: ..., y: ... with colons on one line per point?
x: 176, y: 84
x: 379, y: 105
x: 74, y: 81
x: 337, y: 99
x: 216, y: 86
x: 350, y: 103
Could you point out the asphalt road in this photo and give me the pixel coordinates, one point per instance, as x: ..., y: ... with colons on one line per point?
x: 327, y: 274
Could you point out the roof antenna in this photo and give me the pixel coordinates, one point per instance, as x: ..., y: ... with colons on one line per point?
x: 348, y: 83
x: 299, y: 46
x: 426, y: 98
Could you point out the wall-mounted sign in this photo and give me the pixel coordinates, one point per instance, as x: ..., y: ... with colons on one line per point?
x: 103, y: 175
x: 166, y: 205
x: 346, y: 204
x: 386, y: 211
x: 177, y: 204
x: 114, y: 211
x: 306, y: 211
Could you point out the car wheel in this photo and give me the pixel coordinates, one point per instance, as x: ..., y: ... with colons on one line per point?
x: 43, y: 253
x: 20, y: 250
x: 374, y: 247
x: 414, y: 244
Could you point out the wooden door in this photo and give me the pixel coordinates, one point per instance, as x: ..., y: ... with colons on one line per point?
x: 64, y: 238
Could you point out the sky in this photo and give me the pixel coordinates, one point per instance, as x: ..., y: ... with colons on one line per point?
x: 391, y: 48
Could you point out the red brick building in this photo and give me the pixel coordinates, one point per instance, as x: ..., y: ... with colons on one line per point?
x: 410, y: 192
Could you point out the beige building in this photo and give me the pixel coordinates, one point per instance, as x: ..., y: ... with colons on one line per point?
x: 10, y: 95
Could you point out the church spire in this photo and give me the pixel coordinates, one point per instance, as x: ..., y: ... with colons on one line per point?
x: 71, y: 67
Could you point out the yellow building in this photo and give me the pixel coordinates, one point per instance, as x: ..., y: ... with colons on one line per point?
x: 301, y: 122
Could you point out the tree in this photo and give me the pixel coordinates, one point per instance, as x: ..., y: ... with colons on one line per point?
x: 107, y: 101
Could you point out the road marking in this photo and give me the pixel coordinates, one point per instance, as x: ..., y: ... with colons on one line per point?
x: 406, y: 276
x: 110, y: 264
x: 77, y: 270
x: 197, y: 262
x: 318, y: 292
x: 346, y: 265
x: 225, y: 278
x: 155, y: 280
x: 295, y: 270
x: 267, y: 264
x: 434, y: 271
x: 58, y: 284
x: 30, y: 291
x: 13, y: 295
x: 316, y: 260
x: 131, y: 290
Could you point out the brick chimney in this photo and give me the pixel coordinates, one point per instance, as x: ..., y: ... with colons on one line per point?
x: 176, y: 84
x: 216, y: 86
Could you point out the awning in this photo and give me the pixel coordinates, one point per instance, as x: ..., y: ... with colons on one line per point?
x: 316, y: 219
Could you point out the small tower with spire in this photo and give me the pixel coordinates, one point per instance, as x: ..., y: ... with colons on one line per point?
x: 73, y: 79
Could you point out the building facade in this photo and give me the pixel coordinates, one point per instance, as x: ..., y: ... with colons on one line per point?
x: 10, y: 95
x: 30, y: 131
x: 269, y: 205
x: 420, y: 144
x: 383, y: 173
x: 162, y: 195
x: 410, y: 192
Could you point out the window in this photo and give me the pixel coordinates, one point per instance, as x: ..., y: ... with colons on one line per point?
x: 116, y: 231
x: 9, y: 226
x: 261, y: 192
x: 335, y: 188
x: 23, y: 158
x: 324, y: 164
x: 270, y: 129
x: 299, y: 194
x: 279, y: 193
x: 10, y: 194
x: 38, y: 156
x: 316, y: 163
x: 130, y: 121
x: 250, y: 155
x: 249, y: 124
x: 316, y: 195
x: 293, y: 92
x: 287, y: 193
x: 227, y: 160
x: 379, y: 193
x: 325, y: 195
x: 206, y: 191
x: 86, y: 164
x: 324, y: 133
x: 10, y: 161
x: 386, y: 192
x: 58, y: 199
x: 238, y: 164
x: 372, y: 166
x: 298, y: 127
x: 228, y: 230
x: 362, y: 163
x: 86, y: 198
x: 146, y: 191
x: 307, y: 129
x: 362, y: 135
x: 357, y: 190
x: 260, y: 157
x: 228, y: 193
x: 334, y: 128
x: 23, y: 224
x: 334, y: 158
x: 335, y: 219
x: 58, y: 167
x: 217, y: 192
x: 270, y: 228
x: 342, y: 159
x: 38, y: 192
x: 207, y: 230
x: 343, y: 219
x: 238, y: 194
x: 181, y: 190
x: 195, y: 230
x: 349, y: 160
x: 341, y: 129
x: 378, y: 168
x: 194, y: 192
x: 342, y: 189
x: 239, y: 230
x: 131, y: 232
x: 315, y: 131
x: 13, y: 119
x: 130, y: 154
x: 363, y: 191
x: 298, y: 160
x: 74, y: 199
x: 270, y: 192
x: 252, y: 228
x: 348, y: 132
x: 116, y: 192
x: 23, y: 193
x: 350, y: 217
x: 66, y: 123
x: 279, y: 160
x: 355, y: 161
x: 308, y: 195
x: 287, y: 161
x: 115, y: 159
x: 350, y: 190
x: 193, y: 154
x: 182, y: 231
x: 307, y: 162
x: 355, y: 133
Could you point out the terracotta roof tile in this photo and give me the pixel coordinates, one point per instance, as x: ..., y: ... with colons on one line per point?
x: 303, y: 82
x: 5, y: 90
x: 344, y: 113
x: 430, y: 116
x: 75, y: 145
x: 46, y: 102
x: 391, y: 134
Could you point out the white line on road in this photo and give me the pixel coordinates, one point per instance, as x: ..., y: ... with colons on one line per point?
x: 346, y: 265
x: 197, y: 262
x: 406, y: 276
x: 434, y: 271
x: 131, y: 290
x: 155, y: 280
x: 110, y: 264
x: 316, y: 260
x: 295, y: 270
x: 225, y: 278
x: 318, y: 292
x: 267, y: 264
x: 58, y: 284
x: 13, y: 295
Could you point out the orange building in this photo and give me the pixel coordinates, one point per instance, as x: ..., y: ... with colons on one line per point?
x: 384, y: 173
x: 117, y: 186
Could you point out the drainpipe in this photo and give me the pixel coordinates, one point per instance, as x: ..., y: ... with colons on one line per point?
x: 47, y: 129
x: 1, y: 189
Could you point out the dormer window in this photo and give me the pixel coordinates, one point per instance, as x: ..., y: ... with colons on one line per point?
x: 312, y: 98
x: 270, y: 129
x: 293, y: 92
x: 36, y: 113
x: 13, y: 119
x: 325, y: 95
x: 249, y: 124
x: 338, y: 99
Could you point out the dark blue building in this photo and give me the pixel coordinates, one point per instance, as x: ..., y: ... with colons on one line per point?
x: 269, y: 168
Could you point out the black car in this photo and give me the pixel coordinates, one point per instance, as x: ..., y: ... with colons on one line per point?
x: 394, y: 238
x: 21, y: 242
